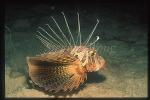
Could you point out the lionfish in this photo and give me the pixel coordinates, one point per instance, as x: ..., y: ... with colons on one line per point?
x: 65, y: 66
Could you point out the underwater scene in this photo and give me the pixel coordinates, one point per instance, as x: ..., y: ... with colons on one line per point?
x: 77, y: 50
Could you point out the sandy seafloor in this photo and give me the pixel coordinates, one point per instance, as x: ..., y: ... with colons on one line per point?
x: 123, y: 44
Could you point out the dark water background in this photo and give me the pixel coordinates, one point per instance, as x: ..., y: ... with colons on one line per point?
x: 122, y: 29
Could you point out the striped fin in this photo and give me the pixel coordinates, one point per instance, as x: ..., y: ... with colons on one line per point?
x: 54, y: 57
x: 55, y: 74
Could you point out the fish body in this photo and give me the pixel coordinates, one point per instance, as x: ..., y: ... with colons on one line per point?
x: 66, y: 68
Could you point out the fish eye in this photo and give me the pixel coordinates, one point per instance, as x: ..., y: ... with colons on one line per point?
x: 93, y: 53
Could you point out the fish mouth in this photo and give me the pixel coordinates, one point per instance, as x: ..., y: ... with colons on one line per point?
x: 104, y: 64
x: 101, y: 63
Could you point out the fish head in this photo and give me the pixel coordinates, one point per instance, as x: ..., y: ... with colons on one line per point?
x: 94, y: 61
x: 89, y: 58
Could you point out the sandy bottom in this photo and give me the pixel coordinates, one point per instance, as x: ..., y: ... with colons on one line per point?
x: 113, y: 86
